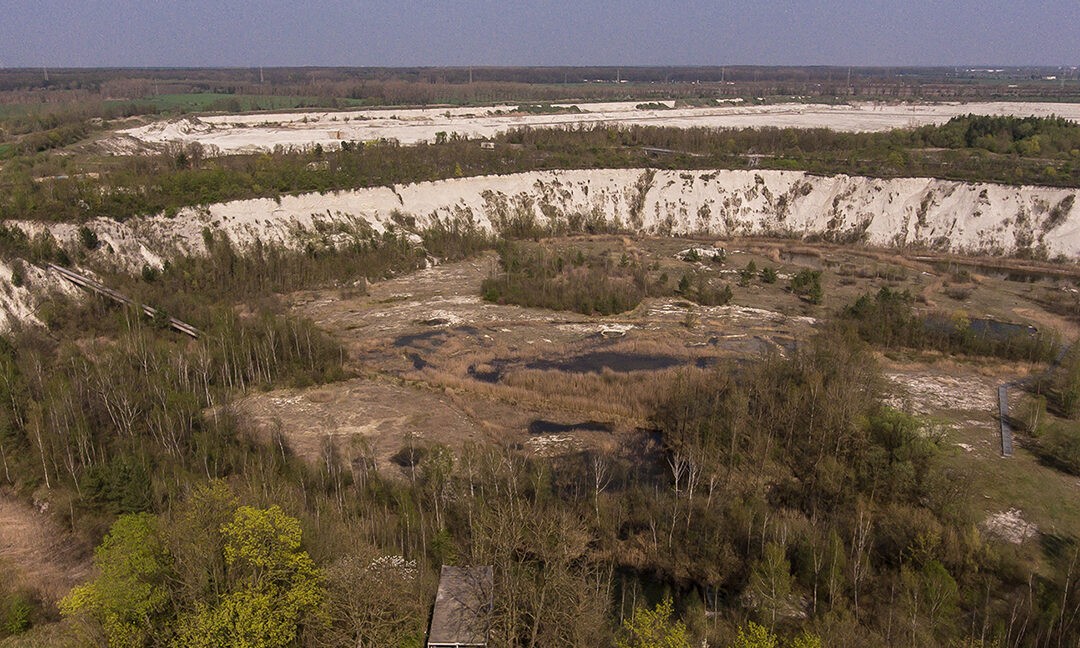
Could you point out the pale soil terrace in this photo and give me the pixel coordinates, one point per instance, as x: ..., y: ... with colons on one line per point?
x: 227, y: 134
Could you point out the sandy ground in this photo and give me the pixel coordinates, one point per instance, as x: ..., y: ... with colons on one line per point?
x: 1009, y: 526
x: 36, y: 553
x: 423, y: 341
x: 368, y: 419
x: 255, y: 132
x: 928, y: 393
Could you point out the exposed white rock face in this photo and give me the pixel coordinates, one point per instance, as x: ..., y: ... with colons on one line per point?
x: 957, y: 216
x: 941, y: 214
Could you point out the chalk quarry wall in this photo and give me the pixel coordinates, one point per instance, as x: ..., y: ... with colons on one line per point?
x: 924, y: 212
x: 940, y: 214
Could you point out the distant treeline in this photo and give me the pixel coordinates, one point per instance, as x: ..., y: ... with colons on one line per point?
x: 430, y: 85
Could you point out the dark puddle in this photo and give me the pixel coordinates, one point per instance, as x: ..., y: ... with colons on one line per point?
x: 598, y: 361
x: 756, y: 345
x: 997, y: 330
x: 1006, y: 274
x: 543, y: 426
x: 989, y: 329
x: 594, y: 362
x: 433, y: 338
x: 427, y: 337
x: 492, y: 375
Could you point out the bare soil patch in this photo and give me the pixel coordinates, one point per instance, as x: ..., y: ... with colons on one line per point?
x: 1010, y: 526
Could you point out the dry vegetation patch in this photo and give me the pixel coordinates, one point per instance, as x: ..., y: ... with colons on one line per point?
x: 36, y: 553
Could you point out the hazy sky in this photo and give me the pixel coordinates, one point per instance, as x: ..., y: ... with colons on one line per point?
x: 537, y: 32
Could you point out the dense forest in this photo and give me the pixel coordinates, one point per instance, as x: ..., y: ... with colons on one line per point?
x: 783, y: 503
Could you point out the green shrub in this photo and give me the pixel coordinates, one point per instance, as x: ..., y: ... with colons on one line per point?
x: 887, y: 318
x: 18, y: 274
x: 18, y: 614
x: 88, y: 238
x: 1059, y: 445
x: 120, y: 486
x: 807, y: 285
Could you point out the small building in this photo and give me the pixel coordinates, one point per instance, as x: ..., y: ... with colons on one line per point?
x: 487, y: 146
x: 463, y: 604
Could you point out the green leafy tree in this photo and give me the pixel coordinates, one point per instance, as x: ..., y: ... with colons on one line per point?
x: 941, y: 591
x: 653, y: 628
x: 805, y: 640
x: 129, y: 598
x: 753, y: 635
x: 196, y: 543
x: 274, y: 592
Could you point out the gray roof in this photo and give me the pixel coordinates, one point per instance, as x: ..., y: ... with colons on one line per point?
x: 462, y: 607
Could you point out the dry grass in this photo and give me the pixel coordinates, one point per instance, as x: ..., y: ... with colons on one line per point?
x: 36, y: 553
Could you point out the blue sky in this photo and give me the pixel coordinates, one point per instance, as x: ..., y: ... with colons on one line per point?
x: 541, y: 32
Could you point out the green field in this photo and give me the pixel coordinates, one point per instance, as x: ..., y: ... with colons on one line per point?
x: 1043, y: 494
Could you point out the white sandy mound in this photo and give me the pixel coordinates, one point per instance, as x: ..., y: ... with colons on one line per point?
x: 1009, y: 526
x: 18, y: 304
x: 923, y: 394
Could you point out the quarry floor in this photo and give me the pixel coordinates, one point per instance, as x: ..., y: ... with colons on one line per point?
x: 436, y: 364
